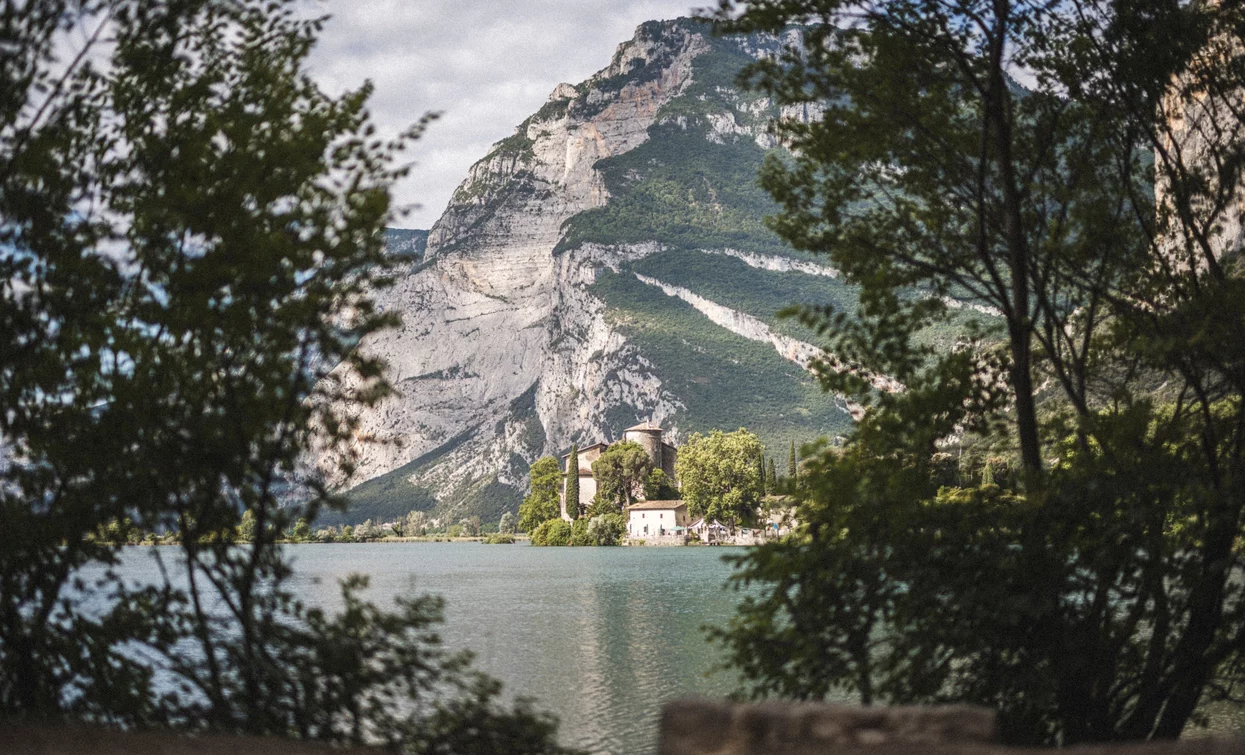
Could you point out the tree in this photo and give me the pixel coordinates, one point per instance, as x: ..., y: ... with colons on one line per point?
x: 542, y: 504
x: 720, y: 475
x: 415, y: 523
x: 1087, y: 217
x: 552, y: 532
x: 470, y: 526
x: 301, y: 532
x: 762, y: 481
x: 792, y: 461
x: 773, y: 477
x: 620, y: 472
x: 246, y: 527
x: 572, y: 483
x: 605, y: 529
x: 191, y: 236
x: 506, y: 525
x: 657, y: 487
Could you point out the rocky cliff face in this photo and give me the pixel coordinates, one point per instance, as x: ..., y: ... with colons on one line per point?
x: 605, y: 264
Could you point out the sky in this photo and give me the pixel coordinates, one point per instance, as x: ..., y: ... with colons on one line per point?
x: 485, y: 65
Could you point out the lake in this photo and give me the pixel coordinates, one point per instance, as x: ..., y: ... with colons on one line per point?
x: 599, y: 636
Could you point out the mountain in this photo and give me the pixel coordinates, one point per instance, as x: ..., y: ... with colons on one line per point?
x: 606, y: 264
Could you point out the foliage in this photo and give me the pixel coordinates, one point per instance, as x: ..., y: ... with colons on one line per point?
x: 552, y: 532
x: 1100, y: 594
x: 414, y: 523
x: 500, y: 538
x: 470, y: 526
x: 301, y: 532
x: 573, y: 503
x: 620, y: 473
x: 657, y: 487
x: 506, y: 525
x: 719, y: 475
x: 543, y: 502
x: 579, y: 531
x: 190, y: 236
x: 245, y: 531
x: 606, y: 529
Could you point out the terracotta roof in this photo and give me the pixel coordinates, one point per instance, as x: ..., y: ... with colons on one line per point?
x: 644, y: 426
x: 656, y: 505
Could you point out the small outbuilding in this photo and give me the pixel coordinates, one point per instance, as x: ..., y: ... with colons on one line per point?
x: 709, y: 531
x: 656, y: 518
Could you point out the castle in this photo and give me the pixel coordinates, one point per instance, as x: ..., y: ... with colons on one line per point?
x: 650, y: 437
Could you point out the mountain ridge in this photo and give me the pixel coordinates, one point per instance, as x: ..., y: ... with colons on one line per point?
x: 563, y: 293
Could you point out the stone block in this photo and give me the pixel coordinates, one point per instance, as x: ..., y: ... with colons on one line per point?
x: 716, y: 727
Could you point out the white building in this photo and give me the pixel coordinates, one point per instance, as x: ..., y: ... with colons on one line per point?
x: 656, y: 518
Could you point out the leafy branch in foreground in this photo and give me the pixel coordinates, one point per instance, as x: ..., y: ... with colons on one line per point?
x: 191, y: 233
x: 1091, y: 214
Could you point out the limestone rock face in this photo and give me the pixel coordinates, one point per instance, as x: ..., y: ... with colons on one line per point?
x: 505, y: 352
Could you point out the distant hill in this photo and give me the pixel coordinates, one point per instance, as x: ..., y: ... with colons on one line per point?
x: 608, y: 263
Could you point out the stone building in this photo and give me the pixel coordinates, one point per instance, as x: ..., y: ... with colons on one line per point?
x: 648, y: 436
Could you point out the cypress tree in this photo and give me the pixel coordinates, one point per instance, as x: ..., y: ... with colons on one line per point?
x: 791, y: 462
x: 761, y: 475
x: 773, y: 476
x: 572, y: 483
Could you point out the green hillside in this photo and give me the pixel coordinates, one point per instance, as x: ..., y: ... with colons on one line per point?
x: 726, y: 381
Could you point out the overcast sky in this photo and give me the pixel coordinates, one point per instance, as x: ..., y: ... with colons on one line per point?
x: 485, y: 64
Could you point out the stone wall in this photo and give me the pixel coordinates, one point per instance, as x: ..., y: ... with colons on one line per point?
x: 658, y: 540
x: 713, y: 727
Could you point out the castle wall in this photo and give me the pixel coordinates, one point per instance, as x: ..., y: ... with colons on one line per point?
x: 669, y: 456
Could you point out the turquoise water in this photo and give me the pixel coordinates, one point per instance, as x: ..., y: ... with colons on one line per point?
x: 599, y: 636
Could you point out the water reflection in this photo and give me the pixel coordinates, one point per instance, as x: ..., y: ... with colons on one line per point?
x: 599, y: 636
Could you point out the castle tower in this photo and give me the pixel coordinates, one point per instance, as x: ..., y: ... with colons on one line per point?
x: 648, y: 436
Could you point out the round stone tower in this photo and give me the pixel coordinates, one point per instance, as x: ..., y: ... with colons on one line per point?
x: 648, y: 436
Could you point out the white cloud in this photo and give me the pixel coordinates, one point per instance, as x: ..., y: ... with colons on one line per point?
x: 485, y: 64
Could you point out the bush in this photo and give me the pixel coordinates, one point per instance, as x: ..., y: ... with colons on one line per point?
x: 499, y: 538
x: 579, y: 532
x: 552, y: 532
x: 607, y: 529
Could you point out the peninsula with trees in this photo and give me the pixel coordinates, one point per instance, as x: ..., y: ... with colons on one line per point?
x: 643, y: 489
